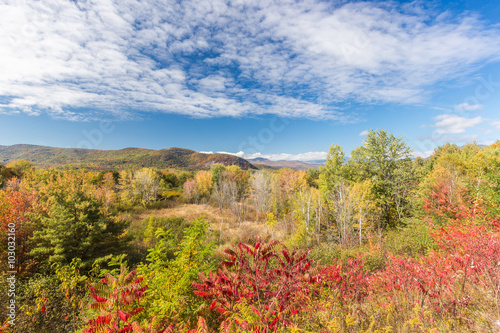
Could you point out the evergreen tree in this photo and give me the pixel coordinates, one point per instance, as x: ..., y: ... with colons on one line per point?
x: 78, y: 223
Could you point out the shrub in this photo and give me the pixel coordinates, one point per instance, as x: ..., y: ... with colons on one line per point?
x: 411, y: 240
x: 116, y: 302
x: 259, y: 288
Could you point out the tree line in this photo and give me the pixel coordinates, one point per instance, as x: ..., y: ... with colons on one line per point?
x: 362, y: 217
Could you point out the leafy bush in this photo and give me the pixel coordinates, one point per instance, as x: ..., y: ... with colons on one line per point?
x: 259, y: 288
x: 169, y: 278
x: 42, y: 306
x: 412, y: 240
x: 116, y: 302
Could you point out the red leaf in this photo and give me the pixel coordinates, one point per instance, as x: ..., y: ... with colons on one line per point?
x: 200, y: 293
x: 122, y: 315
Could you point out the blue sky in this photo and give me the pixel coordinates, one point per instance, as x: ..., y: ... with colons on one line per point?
x: 282, y: 79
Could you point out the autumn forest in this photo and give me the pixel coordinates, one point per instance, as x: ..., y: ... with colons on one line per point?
x: 377, y: 241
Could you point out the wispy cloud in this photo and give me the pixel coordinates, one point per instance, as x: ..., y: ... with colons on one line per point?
x: 496, y: 124
x: 228, y: 58
x: 309, y: 156
x: 453, y: 124
x: 423, y: 154
x: 468, y: 107
x: 363, y: 133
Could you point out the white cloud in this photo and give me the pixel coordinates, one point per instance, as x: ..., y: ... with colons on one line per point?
x: 364, y: 133
x: 218, y: 58
x: 458, y: 139
x: 487, y: 142
x: 212, y: 83
x: 496, y: 124
x: 468, y: 107
x: 423, y: 154
x: 309, y: 156
x: 453, y: 124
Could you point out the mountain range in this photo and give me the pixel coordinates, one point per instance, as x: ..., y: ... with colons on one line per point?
x: 43, y: 156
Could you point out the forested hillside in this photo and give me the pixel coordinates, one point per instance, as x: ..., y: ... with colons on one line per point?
x: 377, y: 243
x: 118, y: 159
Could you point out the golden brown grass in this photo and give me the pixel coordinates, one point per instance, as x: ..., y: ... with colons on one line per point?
x: 221, y: 221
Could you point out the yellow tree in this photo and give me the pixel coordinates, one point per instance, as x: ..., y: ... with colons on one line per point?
x: 139, y: 186
x: 260, y: 189
x: 289, y: 182
x: 204, y: 181
x: 146, y: 185
x: 492, y: 191
x: 308, y: 214
x: 367, y: 213
x: 127, y: 191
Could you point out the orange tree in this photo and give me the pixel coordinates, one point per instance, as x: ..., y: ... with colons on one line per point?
x: 16, y: 226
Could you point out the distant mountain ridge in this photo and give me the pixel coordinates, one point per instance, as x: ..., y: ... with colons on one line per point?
x: 44, y: 156
x: 297, y: 165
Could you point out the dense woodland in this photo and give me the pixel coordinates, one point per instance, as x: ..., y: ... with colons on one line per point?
x: 377, y: 242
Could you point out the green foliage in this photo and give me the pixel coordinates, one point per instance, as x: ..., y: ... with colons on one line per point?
x: 383, y: 158
x: 169, y: 181
x: 334, y: 170
x: 412, y: 240
x: 491, y: 184
x: 169, y: 195
x: 461, y: 182
x: 217, y: 170
x: 78, y: 223
x: 100, y: 177
x: 73, y: 286
x: 173, y: 231
x: 417, y: 282
x: 20, y: 167
x: 109, y: 264
x: 326, y: 253
x: 313, y: 177
x: 169, y: 279
x: 185, y: 176
x: 42, y: 306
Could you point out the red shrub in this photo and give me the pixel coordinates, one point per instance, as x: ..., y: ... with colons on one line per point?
x: 274, y: 284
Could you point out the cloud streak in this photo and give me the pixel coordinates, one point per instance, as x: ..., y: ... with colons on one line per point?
x: 84, y: 60
x: 464, y: 107
x: 363, y: 133
x: 308, y: 156
x: 453, y: 124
